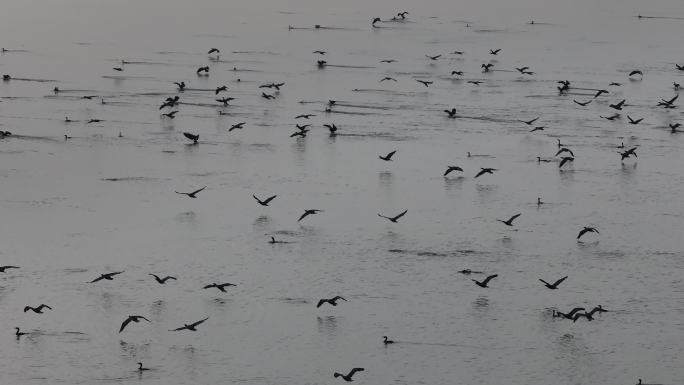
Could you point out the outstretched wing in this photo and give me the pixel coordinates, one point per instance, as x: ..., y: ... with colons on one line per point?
x: 303, y: 216
x: 196, y: 191
x: 391, y: 154
x: 125, y: 323
x: 198, y: 322
x: 400, y: 215
x: 97, y: 279
x: 321, y: 302
x: 338, y: 297
x: 559, y: 281
x: 351, y: 373
x: 513, y: 217
x: 489, y: 278
x: 582, y: 232
x: 545, y: 283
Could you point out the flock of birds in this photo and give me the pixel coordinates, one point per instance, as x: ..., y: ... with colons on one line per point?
x: 563, y: 157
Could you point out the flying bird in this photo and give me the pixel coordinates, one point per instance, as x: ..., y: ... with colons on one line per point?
x: 305, y: 116
x: 191, y: 194
x: 107, y: 276
x: 213, y: 50
x: 451, y: 112
x: 162, y: 280
x: 387, y: 78
x: 38, y: 309
x: 587, y: 230
x: 348, y: 376
x: 203, y: 69
x: 426, y: 83
x: 485, y: 171
x: 583, y: 103
x: 265, y: 201
x: 636, y: 72
x: 193, y: 137
x: 529, y: 122
x: 388, y: 157
x: 331, y: 301
x: 395, y: 218
x: 510, y: 220
x: 565, y: 160
x: 618, y: 106
x: 433, y: 57
x: 237, y: 126
x: 221, y: 287
x: 191, y: 327
x: 309, y: 212
x: 452, y: 168
x: 485, y: 281
x: 132, y: 318
x: 219, y: 89
x: 553, y: 286
x: 632, y: 121
x: 495, y: 51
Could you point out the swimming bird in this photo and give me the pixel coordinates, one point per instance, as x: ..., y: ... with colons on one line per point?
x: 107, y: 276
x: 160, y: 280
x: 348, y: 376
x: 19, y: 333
x: 132, y: 318
x: 395, y: 218
x: 510, y: 220
x: 3, y: 268
x: 587, y: 230
x: 388, y: 157
x: 93, y: 121
x: 191, y: 327
x: 529, y: 122
x: 237, y: 126
x: 433, y: 57
x: 387, y: 78
x: 221, y: 287
x: 539, y: 160
x: 485, y: 171
x: 485, y: 281
x: 386, y: 341
x: 582, y: 103
x: 565, y: 149
x: 452, y: 168
x: 140, y: 367
x: 332, y: 128
x: 426, y: 83
x: 38, y: 309
x: 191, y: 194
x: 203, y: 69
x: 309, y: 212
x: 611, y: 118
x: 265, y: 201
x: 632, y: 121
x: 305, y: 116
x: 213, y: 50
x: 618, y: 106
x: 553, y: 286
x: 539, y: 202
x: 599, y: 92
x: 565, y: 160
x: 331, y: 301
x: 451, y: 112
x: 193, y: 137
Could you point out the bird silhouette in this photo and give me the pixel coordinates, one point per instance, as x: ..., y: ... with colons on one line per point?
x: 433, y: 57
x: 451, y: 169
x: 475, y: 82
x: 141, y: 368
x: 387, y: 78
x: 132, y: 318
x: 636, y: 72
x: 162, y: 280
x: 587, y: 230
x: 395, y: 218
x: 388, y: 157
x: 529, y: 122
x: 219, y: 89
x: 426, y: 83
x: 107, y: 276
x: 170, y: 115
x: 539, y: 128
x: 265, y: 201
x: 193, y: 137
x: 485, y: 281
x: 331, y: 301
x: 38, y: 309
x: 632, y: 121
x: 582, y: 103
x: 611, y: 118
x: 495, y: 51
x: 451, y: 112
x: 319, y: 52
x: 3, y: 268
x: 213, y: 50
x: 191, y: 327
x: 485, y: 171
x: 599, y: 93
x: 221, y: 287
x: 304, y: 116
x: 308, y: 212
x: 618, y: 106
x: 332, y: 128
x: 565, y: 160
x: 509, y: 221
x: 237, y: 126
x: 191, y: 194
x: 553, y: 286
x: 386, y: 341
x: 348, y: 376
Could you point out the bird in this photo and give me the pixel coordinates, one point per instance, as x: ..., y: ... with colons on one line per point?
x: 180, y: 85
x: 636, y: 72
x: 302, y: 127
x: 632, y: 121
x: 582, y: 103
x: 615, y: 84
x: 522, y: 70
x: 305, y: 116
x: 221, y: 287
x: 476, y: 82
x: 510, y: 220
x: 348, y: 376
x: 599, y: 92
x: 565, y: 160
x: 539, y: 160
x: 539, y: 202
x: 38, y: 309
x: 170, y: 115
x: 140, y: 367
x: 611, y: 118
x: 319, y: 52
x: 193, y: 137
x: 301, y: 133
x: 93, y: 121
x: 486, y: 67
x: 3, y: 268
x: 529, y: 122
x: 162, y: 280
x: 237, y: 126
x: 107, y: 276
x: 578, y: 315
x: 191, y: 327
x: 387, y: 78
x: 451, y: 113
x: 308, y: 212
x: 395, y: 218
x: 433, y: 57
x: 265, y: 201
x: 539, y: 128
x: 191, y: 194
x: 457, y: 53
x: 664, y: 102
x: 569, y: 315
x: 331, y: 301
x: 485, y: 281
x: 495, y: 51
x: 587, y: 230
x: 213, y: 50
x: 375, y: 20
x: 426, y: 83
x: 388, y: 157
x: 388, y: 61
x: 618, y: 106
x: 118, y: 68
x: 267, y: 96
x: 19, y: 333
x: 452, y: 168
x: 564, y: 149
x: 224, y: 100
x: 219, y: 89
x: 402, y: 14
x: 485, y: 171
x: 626, y: 154
x: 203, y: 69
x: 132, y: 318
x: 681, y: 68
x: 553, y: 286
x: 387, y: 341
x: 673, y: 127
x: 459, y: 73
x: 332, y: 128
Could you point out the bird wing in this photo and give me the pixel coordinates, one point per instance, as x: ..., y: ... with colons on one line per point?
x: 351, y: 373
x: 480, y: 173
x: 391, y: 154
x: 564, y: 161
x: 97, y: 279
x: 338, y: 297
x: 196, y: 191
x: 559, y: 281
x: 489, y: 278
x: 27, y: 308
x: 303, y: 216
x: 575, y: 310
x: 321, y: 302
x: 270, y: 199
x: 400, y: 215
x: 513, y: 217
x: 42, y: 305
x: 546, y: 283
x: 198, y: 322
x: 170, y: 277
x: 125, y: 323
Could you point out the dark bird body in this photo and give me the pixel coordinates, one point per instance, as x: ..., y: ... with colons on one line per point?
x: 132, y: 318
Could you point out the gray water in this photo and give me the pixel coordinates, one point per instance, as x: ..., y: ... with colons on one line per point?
x: 73, y: 209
